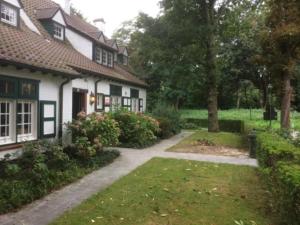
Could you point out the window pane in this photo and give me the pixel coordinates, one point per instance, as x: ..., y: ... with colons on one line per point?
x: 7, y: 88
x: 58, y: 32
x: 28, y: 90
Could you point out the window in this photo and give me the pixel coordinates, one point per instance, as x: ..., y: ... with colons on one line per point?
x: 135, y: 105
x: 5, y: 122
x: 9, y: 14
x: 115, y: 57
x: 18, y: 110
x: 98, y: 55
x: 7, y: 87
x: 25, y: 121
x: 116, y: 102
x: 141, y: 105
x: 99, y: 102
x: 104, y: 57
x: 127, y: 103
x: 58, y: 31
x: 116, y: 97
x: 110, y: 59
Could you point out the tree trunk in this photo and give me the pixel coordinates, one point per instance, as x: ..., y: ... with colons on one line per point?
x: 238, y: 102
x: 286, y: 102
x: 213, y: 122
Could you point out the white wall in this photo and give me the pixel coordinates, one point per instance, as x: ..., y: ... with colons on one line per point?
x: 58, y: 17
x: 80, y: 43
x: 48, y: 86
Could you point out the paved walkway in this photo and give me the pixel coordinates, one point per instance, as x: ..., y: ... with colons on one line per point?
x: 43, y: 211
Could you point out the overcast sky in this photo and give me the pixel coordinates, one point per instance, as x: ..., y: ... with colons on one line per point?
x: 114, y: 12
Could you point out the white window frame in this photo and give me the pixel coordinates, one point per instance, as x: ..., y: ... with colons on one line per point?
x: 98, y: 55
x: 99, y: 102
x: 56, y: 32
x: 12, y: 13
x: 116, y: 102
x: 32, y: 114
x: 104, y: 57
x: 135, y: 105
x: 110, y: 59
x: 11, y: 117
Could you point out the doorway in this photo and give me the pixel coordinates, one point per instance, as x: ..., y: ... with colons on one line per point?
x: 79, y: 102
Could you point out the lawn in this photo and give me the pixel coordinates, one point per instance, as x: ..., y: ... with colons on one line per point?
x: 243, y: 114
x: 230, y: 140
x: 178, y: 192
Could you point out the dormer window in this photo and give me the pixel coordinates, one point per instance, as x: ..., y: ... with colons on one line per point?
x: 104, y: 57
x: 9, y: 14
x: 110, y: 60
x: 59, y: 31
x: 98, y: 55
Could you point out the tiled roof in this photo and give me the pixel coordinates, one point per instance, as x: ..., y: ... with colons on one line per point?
x: 46, y: 13
x: 85, y: 28
x: 23, y: 46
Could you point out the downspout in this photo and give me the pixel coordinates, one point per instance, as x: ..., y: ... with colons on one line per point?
x: 61, y: 98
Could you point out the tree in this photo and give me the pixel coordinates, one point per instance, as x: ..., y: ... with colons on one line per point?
x: 78, y: 13
x: 281, y: 45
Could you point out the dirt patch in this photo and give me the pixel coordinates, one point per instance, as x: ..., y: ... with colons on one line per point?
x: 212, y: 150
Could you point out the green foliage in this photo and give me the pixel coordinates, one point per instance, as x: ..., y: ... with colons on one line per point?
x: 281, y: 162
x: 235, y: 126
x: 42, y: 168
x: 137, y: 130
x: 169, y: 120
x: 272, y: 148
x: 93, y: 132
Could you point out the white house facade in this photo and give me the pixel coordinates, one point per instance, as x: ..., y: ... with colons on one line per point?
x: 54, y: 65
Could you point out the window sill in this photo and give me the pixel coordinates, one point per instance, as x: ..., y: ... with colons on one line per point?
x: 10, y: 147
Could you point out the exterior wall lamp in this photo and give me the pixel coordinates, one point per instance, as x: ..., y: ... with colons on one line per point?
x: 92, y: 98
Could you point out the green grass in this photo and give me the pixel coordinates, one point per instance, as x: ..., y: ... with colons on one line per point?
x: 177, y: 192
x: 225, y: 139
x: 243, y: 114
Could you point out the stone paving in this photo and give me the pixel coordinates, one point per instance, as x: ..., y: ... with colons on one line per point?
x: 42, y: 212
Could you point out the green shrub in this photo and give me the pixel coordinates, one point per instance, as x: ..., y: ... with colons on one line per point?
x: 43, y: 167
x: 280, y: 162
x: 169, y: 120
x: 92, y: 132
x: 272, y: 148
x: 137, y: 130
x: 285, y: 187
x: 235, y: 126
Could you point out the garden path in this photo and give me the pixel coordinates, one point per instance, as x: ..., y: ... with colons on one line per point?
x: 42, y: 212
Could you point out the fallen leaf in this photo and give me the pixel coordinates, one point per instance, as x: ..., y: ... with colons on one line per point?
x: 163, y: 215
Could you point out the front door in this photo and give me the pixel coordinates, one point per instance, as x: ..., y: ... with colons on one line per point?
x: 79, y: 102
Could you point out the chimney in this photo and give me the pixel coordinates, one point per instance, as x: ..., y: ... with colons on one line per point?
x: 68, y: 6
x: 100, y: 24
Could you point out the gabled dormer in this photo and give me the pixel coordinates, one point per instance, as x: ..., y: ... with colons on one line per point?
x: 53, y: 21
x: 123, y: 55
x: 10, y: 12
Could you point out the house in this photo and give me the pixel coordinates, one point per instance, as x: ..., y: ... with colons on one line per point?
x: 54, y: 65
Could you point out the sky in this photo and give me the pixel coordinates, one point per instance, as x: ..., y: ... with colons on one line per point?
x: 114, y: 12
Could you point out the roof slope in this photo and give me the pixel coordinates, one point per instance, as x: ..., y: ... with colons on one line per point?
x: 42, y: 51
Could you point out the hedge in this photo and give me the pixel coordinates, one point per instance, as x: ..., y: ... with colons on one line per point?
x: 235, y: 126
x: 280, y: 162
x: 272, y: 148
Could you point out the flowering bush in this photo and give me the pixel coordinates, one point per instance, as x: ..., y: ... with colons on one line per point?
x: 137, y: 130
x: 93, y: 132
